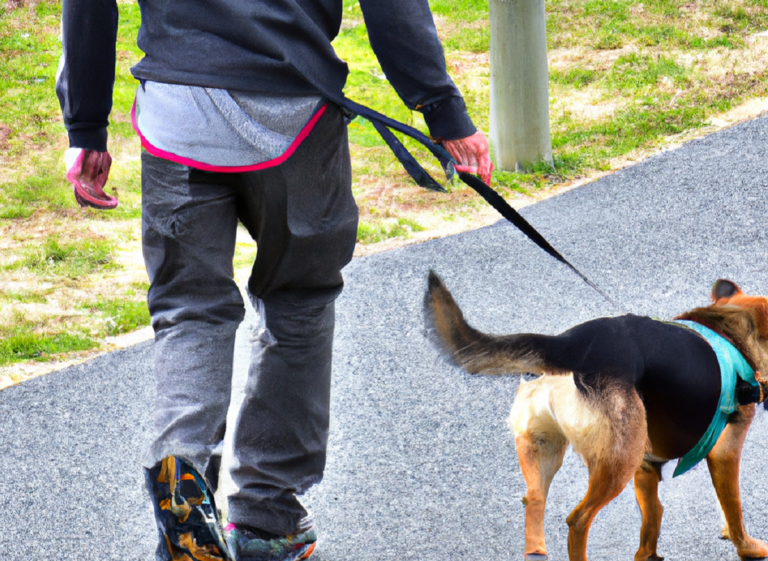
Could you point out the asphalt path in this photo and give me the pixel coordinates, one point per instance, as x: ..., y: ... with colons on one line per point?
x: 421, y: 464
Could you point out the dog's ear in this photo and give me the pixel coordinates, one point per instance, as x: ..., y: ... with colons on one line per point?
x: 723, y: 290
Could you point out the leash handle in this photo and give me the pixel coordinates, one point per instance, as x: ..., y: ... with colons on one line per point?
x: 445, y: 159
x: 382, y: 124
x: 414, y: 169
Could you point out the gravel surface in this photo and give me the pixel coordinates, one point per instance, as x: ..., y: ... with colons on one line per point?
x: 421, y: 464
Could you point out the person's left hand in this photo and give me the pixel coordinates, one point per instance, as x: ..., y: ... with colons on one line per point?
x: 471, y: 155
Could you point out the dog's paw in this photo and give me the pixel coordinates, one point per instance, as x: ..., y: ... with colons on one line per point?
x: 535, y: 557
x: 651, y: 557
x: 752, y: 549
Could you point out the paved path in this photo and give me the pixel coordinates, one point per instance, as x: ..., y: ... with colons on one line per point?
x: 421, y: 464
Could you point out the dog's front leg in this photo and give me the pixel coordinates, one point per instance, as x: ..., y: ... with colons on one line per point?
x: 647, y: 492
x: 723, y: 462
x: 540, y: 457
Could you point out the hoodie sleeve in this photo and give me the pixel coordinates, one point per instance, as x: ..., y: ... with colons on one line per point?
x: 86, y: 74
x: 404, y: 39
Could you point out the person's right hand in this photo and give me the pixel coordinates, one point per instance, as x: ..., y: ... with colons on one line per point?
x: 88, y: 171
x: 471, y: 155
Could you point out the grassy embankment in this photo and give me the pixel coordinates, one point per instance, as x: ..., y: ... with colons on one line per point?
x: 626, y: 79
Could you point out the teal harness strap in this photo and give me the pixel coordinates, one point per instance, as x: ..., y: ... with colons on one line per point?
x: 732, y: 364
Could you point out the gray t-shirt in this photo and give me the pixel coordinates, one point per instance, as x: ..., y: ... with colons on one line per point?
x: 220, y: 128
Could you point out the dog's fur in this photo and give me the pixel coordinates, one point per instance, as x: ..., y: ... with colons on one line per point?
x: 629, y: 394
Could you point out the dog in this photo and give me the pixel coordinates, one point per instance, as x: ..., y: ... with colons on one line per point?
x: 629, y: 394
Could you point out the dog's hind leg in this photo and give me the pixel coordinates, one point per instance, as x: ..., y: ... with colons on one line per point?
x: 647, y: 492
x: 723, y: 462
x: 541, y: 445
x: 540, y: 456
x: 606, y: 481
x: 613, y: 449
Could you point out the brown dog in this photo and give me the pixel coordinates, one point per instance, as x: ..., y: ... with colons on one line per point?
x: 629, y: 394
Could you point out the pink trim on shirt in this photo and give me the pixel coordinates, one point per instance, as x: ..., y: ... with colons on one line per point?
x: 160, y: 153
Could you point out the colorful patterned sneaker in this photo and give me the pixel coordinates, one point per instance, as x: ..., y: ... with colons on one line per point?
x: 185, y: 513
x: 249, y: 544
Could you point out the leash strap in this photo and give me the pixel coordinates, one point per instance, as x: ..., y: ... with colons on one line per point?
x: 382, y: 124
x: 503, y: 208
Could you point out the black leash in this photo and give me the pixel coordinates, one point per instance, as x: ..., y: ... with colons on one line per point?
x: 503, y: 207
x: 383, y: 124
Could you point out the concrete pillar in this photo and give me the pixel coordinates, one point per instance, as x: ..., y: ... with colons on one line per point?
x: 519, y: 84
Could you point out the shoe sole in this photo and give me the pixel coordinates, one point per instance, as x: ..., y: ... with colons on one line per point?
x: 309, y: 552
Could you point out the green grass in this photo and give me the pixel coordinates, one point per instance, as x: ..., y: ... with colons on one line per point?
x: 71, y: 260
x: 610, y: 24
x: 32, y: 185
x: 245, y: 251
x: 22, y: 344
x: 398, y: 228
x: 577, y: 77
x: 29, y: 54
x: 120, y: 316
x: 635, y: 71
x: 24, y: 340
x: 24, y: 297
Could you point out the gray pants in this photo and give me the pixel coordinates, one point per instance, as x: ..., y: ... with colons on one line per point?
x: 304, y: 220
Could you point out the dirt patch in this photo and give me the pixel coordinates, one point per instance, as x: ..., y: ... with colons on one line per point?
x: 14, y: 4
x: 566, y: 58
x: 588, y: 104
x: 5, y: 132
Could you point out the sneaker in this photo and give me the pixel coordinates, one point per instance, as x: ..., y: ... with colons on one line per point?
x: 186, y: 516
x: 249, y: 544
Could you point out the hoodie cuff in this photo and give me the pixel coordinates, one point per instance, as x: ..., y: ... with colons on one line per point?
x: 448, y: 120
x: 89, y: 139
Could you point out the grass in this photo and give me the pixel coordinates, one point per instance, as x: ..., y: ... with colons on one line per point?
x: 368, y: 233
x: 120, y: 316
x: 56, y: 258
x: 625, y: 79
x: 71, y: 260
x: 23, y: 344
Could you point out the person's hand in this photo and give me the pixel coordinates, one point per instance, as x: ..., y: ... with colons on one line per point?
x: 88, y: 171
x: 471, y: 155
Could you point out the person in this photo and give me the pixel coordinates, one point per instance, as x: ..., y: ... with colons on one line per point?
x: 240, y: 114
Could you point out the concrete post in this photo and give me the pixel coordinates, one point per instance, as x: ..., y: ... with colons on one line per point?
x: 519, y: 84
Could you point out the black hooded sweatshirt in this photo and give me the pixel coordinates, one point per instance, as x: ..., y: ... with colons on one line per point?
x: 270, y: 46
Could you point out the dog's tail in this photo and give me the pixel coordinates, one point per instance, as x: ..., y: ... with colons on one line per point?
x: 475, y: 351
